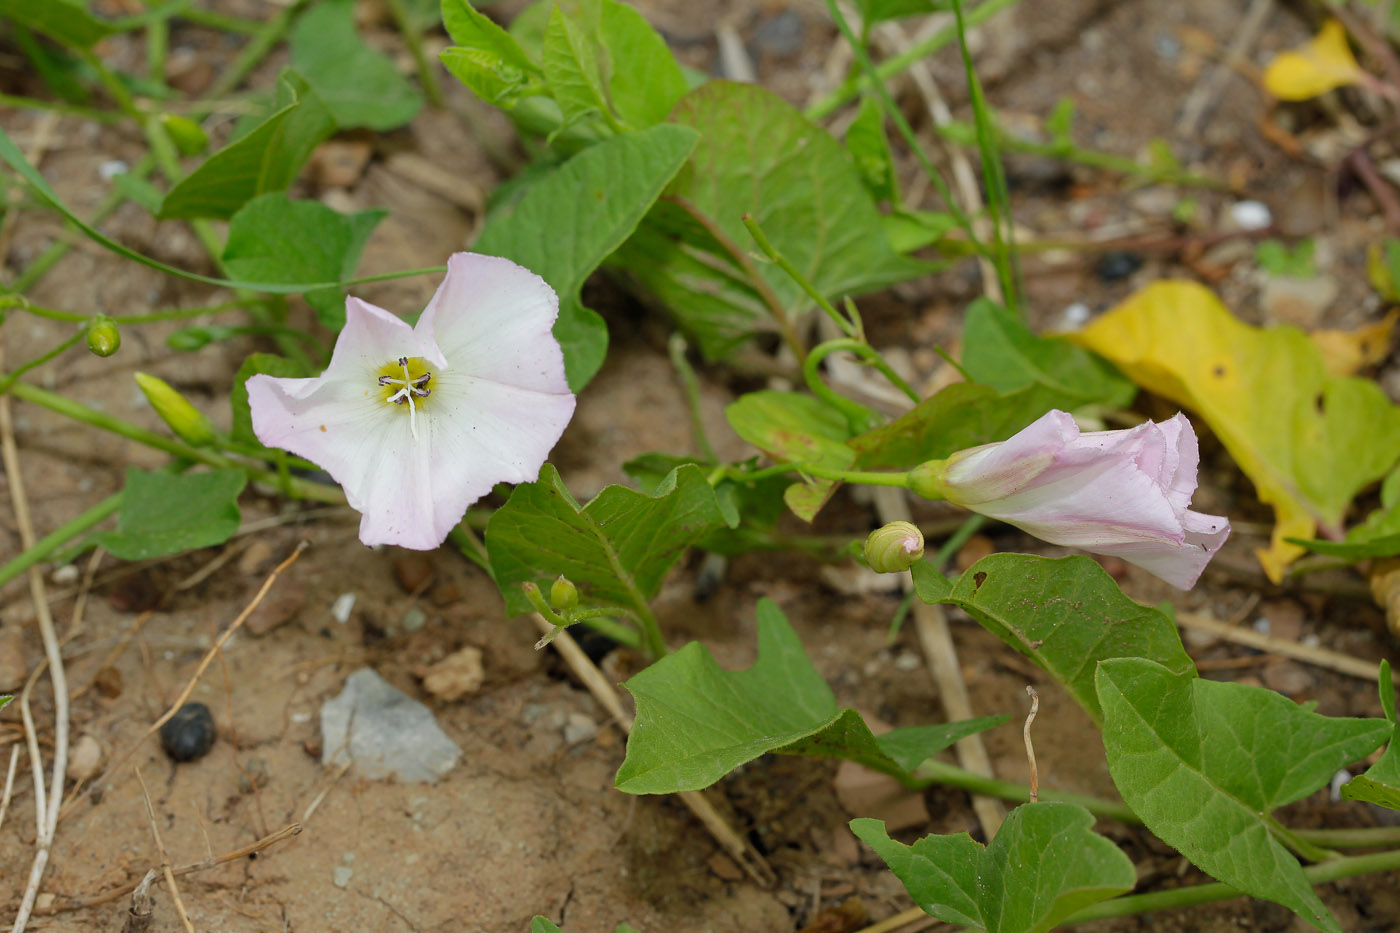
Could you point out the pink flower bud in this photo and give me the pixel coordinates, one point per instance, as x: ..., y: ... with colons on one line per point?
x: 1122, y: 493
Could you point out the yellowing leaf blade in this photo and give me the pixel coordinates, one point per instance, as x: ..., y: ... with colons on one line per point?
x: 1307, y: 439
x: 1323, y: 64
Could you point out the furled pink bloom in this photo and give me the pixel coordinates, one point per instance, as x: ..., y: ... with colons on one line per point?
x: 417, y: 423
x: 1124, y: 493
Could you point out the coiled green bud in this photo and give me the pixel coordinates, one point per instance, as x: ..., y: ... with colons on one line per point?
x: 103, y: 336
x: 188, y: 136
x: 188, y: 423
x: 563, y: 595
x: 894, y: 548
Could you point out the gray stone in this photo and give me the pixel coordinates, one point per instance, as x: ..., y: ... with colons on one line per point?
x: 385, y: 732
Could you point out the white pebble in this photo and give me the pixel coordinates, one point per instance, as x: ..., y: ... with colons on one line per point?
x: 112, y: 168
x: 1261, y: 625
x: 1075, y: 316
x: 1251, y: 215
x: 65, y: 575
x: 342, y: 875
x: 342, y: 607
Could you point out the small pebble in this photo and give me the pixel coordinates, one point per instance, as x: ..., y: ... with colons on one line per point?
x: 456, y: 675
x: 1251, y: 215
x: 579, y: 728
x: 414, y: 619
x: 1117, y: 265
x: 84, y: 758
x: 252, y: 776
x: 108, y: 683
x: 341, y: 875
x: 1075, y: 316
x: 112, y: 168
x: 66, y: 574
x: 189, y: 734
x: 907, y: 661
x: 342, y: 607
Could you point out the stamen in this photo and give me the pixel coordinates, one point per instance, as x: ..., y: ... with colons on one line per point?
x: 409, y: 388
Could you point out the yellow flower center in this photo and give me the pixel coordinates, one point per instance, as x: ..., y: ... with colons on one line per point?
x: 406, y: 382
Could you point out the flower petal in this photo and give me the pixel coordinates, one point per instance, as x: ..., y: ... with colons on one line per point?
x: 372, y: 337
x: 494, y: 319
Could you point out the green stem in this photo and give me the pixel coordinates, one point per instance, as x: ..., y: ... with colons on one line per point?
x: 157, y: 44
x: 255, y: 51
x: 860, y: 418
x: 1334, y: 870
x: 1299, y: 846
x: 676, y: 348
x: 863, y: 477
x: 755, y: 278
x: 220, y: 21
x: 176, y: 314
x: 12, y: 377
x: 934, y: 771
x: 622, y: 634
x: 872, y: 357
x: 297, y: 488
x: 847, y: 326
x: 48, y: 258
x: 414, y: 39
x: 905, y: 130
x: 70, y: 110
x: 892, y: 66
x: 46, y: 546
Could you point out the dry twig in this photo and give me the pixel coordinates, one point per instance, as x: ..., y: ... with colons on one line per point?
x: 164, y: 856
x: 1319, y: 657
x: 199, y: 672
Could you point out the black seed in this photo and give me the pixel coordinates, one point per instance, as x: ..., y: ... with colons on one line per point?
x: 189, y: 734
x: 1117, y: 265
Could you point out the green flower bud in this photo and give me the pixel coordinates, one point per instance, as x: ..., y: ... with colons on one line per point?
x: 894, y: 548
x: 188, y: 423
x: 103, y: 336
x: 188, y: 136
x: 563, y: 595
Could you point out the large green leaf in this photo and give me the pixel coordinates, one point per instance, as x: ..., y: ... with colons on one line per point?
x: 1381, y: 782
x: 166, y: 513
x: 1001, y: 351
x: 1064, y: 614
x: 570, y: 221
x: 757, y: 155
x: 616, y: 549
x: 1204, y: 763
x: 644, y: 81
x: 1044, y: 864
x: 276, y: 239
x: 266, y: 159
x: 697, y: 722
x: 359, y: 85
x: 64, y: 21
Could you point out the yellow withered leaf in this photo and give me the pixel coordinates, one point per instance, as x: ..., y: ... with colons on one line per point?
x: 1309, y: 440
x: 1345, y: 352
x: 1322, y: 64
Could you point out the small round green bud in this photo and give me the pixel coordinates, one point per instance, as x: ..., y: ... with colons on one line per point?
x: 894, y: 548
x: 188, y: 136
x: 103, y: 336
x: 563, y: 595
x: 188, y: 423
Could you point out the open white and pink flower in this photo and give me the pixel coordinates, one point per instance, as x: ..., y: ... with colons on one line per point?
x: 1123, y: 493
x: 417, y: 423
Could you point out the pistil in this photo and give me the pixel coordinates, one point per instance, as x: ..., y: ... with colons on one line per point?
x: 410, y: 387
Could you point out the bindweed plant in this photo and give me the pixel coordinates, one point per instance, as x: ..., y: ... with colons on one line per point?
x: 727, y: 210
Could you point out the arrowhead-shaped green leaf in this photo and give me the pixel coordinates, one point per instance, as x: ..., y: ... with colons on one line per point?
x: 359, y: 85
x: 268, y: 158
x: 616, y: 549
x: 758, y: 155
x: 1204, y: 763
x: 1064, y: 614
x: 589, y: 206
x: 1045, y: 864
x: 697, y: 722
x: 166, y: 513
